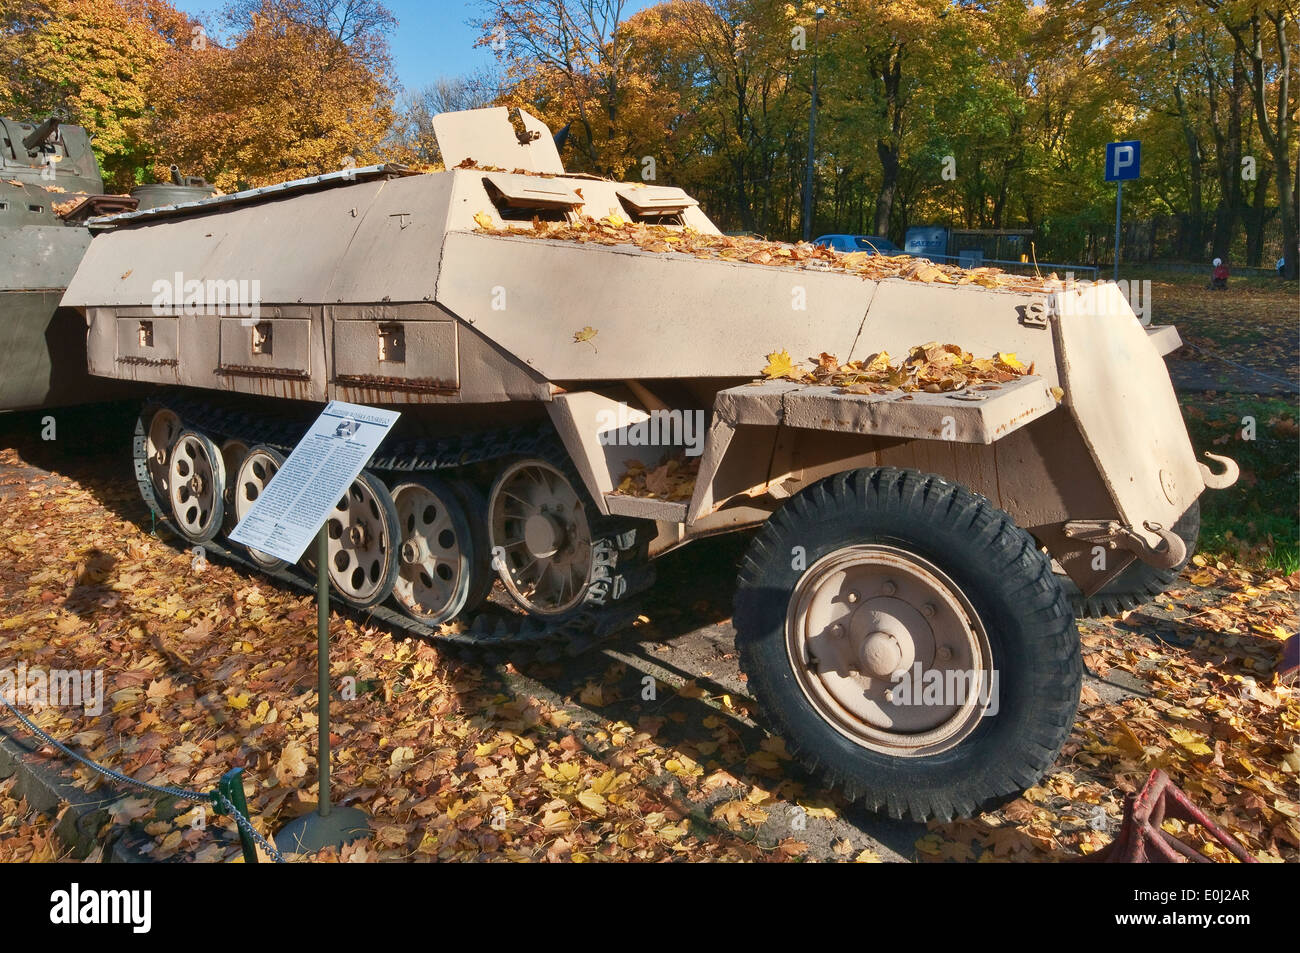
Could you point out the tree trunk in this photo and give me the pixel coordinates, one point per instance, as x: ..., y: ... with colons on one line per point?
x: 1191, y: 232
x: 888, y: 154
x: 889, y: 147
x: 1276, y: 135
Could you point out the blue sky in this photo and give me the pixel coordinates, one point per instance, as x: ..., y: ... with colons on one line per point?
x: 432, y: 38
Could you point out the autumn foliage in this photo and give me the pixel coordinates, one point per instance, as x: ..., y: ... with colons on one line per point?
x: 295, y: 89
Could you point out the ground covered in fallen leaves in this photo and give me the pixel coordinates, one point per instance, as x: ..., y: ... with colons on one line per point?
x: 208, y: 667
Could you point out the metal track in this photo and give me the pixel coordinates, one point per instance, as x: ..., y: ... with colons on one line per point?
x: 492, y: 627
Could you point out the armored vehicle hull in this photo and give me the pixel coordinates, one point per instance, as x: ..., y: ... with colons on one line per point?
x: 575, y: 361
x: 50, y: 185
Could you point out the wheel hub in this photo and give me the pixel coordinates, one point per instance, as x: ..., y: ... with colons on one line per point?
x: 881, y: 655
x: 544, y: 535
x: 887, y: 632
x: 358, y: 534
x: 867, y: 627
x: 414, y: 552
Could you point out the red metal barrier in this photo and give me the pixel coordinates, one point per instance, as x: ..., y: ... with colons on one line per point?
x: 1141, y: 840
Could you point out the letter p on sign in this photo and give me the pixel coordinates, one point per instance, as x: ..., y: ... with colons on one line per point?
x: 1123, y: 160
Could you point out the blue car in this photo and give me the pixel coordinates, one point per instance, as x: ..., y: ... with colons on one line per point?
x: 871, y: 244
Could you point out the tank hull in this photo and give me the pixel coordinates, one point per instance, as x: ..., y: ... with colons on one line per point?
x: 43, y: 355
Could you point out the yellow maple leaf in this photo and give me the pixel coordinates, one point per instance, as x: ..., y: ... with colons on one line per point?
x: 483, y: 220
x: 1190, y: 741
x: 1008, y: 360
x: 779, y: 364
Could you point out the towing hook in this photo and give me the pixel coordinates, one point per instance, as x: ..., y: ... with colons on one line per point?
x: 1171, y: 550
x: 1219, y: 481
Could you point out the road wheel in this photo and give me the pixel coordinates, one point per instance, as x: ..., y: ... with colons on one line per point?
x: 196, y: 486
x: 364, y: 543
x: 156, y: 431
x: 553, y: 551
x: 442, y: 567
x: 233, y: 453
x: 1138, y: 583
x: 256, y: 470
x: 909, y: 642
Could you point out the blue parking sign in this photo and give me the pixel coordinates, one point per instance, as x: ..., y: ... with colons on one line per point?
x: 1123, y: 160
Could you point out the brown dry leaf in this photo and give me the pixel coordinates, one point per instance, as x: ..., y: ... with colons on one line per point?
x: 292, y: 764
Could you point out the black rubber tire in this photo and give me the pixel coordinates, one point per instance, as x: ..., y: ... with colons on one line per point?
x: 1138, y: 583
x: 1008, y: 581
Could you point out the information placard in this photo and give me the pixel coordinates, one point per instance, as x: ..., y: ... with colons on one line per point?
x: 295, y: 504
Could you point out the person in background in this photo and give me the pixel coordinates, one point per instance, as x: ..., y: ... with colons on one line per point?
x: 1281, y: 267
x: 1219, y: 277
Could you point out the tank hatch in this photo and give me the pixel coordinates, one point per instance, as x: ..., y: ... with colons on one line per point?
x: 492, y: 137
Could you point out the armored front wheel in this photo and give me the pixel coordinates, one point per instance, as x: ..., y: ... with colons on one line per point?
x: 909, y: 642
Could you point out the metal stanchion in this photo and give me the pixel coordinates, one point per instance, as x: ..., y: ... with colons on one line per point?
x: 327, y: 826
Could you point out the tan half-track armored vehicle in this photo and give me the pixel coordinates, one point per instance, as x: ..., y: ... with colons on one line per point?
x: 575, y: 362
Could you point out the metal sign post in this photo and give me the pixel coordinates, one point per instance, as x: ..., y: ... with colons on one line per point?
x: 1119, y: 205
x: 293, y: 510
x: 1123, y: 162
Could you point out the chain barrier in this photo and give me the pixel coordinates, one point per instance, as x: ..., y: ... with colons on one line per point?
x: 228, y: 798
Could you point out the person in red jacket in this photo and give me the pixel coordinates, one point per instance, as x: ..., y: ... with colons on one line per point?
x: 1219, y: 277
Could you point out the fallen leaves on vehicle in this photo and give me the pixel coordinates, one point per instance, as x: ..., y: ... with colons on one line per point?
x: 779, y: 365
x: 585, y: 336
x: 663, y: 239
x: 672, y: 480
x: 932, y: 368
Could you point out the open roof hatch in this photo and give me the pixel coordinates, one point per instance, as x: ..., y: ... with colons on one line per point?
x: 655, y: 200
x: 490, y: 138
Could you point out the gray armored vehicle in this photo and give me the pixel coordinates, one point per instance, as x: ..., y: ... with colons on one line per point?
x: 590, y: 376
x: 47, y: 173
x: 50, y: 185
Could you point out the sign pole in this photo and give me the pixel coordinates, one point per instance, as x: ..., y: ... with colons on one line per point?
x: 1123, y: 161
x: 301, y: 495
x: 327, y: 826
x: 1119, y: 199
x: 323, y: 664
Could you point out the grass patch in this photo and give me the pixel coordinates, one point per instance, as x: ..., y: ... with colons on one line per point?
x: 1254, y: 521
